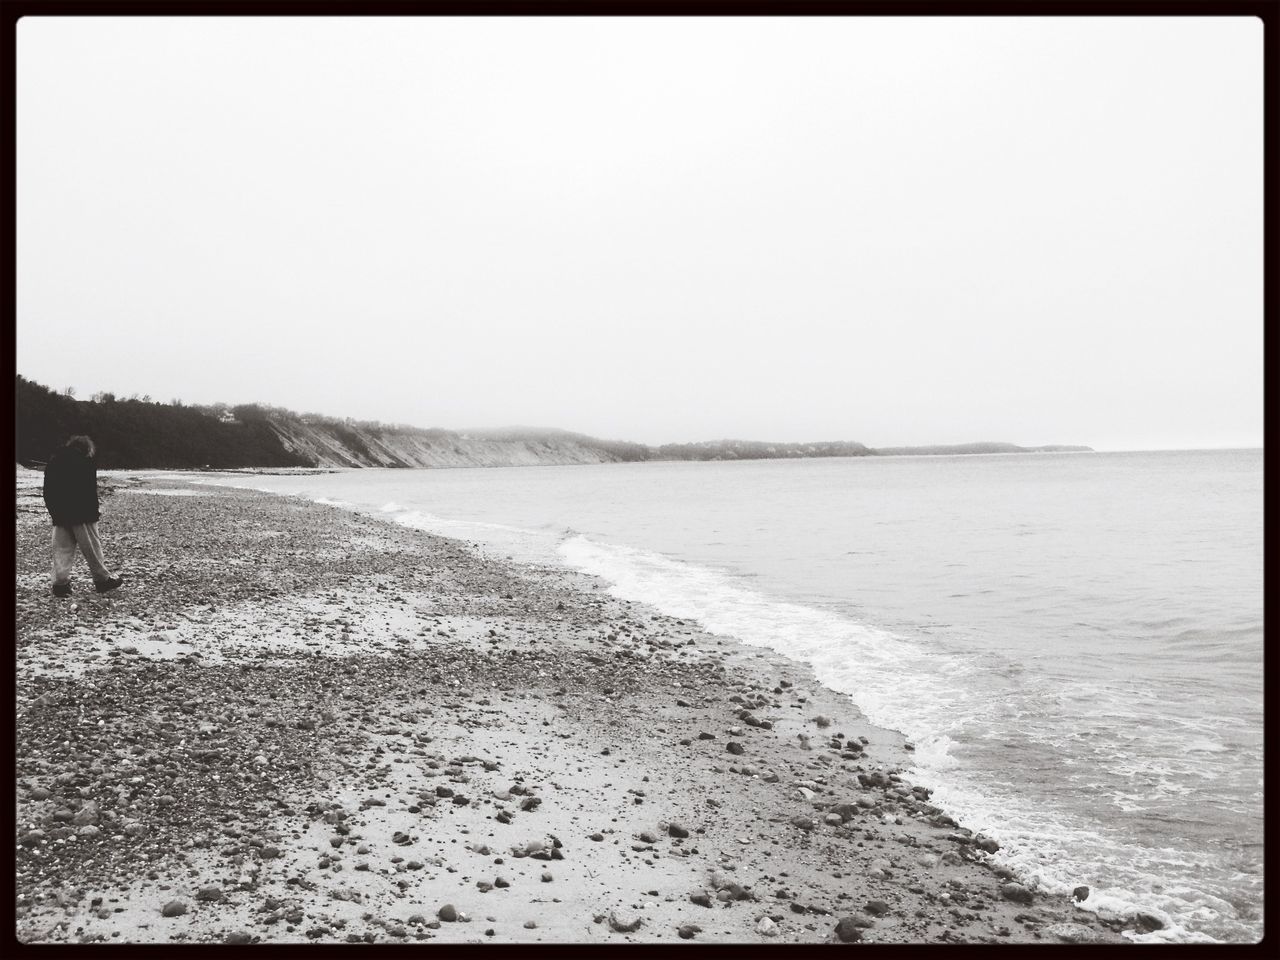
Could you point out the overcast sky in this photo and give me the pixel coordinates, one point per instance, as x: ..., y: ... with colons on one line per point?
x: 886, y: 230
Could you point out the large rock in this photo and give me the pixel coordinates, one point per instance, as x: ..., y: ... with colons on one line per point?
x: 847, y: 931
x: 1015, y: 892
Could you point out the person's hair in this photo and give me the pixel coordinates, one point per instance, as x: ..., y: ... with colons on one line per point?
x: 82, y: 444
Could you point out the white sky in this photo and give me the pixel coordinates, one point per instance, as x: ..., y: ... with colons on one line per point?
x: 887, y: 230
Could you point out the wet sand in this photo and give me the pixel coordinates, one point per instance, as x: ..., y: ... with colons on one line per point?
x: 298, y: 724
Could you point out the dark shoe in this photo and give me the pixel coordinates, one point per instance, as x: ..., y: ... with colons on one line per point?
x: 102, y: 586
x: 62, y: 589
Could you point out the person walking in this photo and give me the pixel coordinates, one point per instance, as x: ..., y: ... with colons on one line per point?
x: 71, y: 497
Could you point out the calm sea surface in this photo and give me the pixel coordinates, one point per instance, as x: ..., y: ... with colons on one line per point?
x: 1073, y: 641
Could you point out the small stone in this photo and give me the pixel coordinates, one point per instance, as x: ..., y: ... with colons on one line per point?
x: 1080, y: 893
x: 209, y: 894
x: 448, y: 913
x: 876, y: 907
x: 766, y: 927
x: 1015, y: 892
x: 676, y: 830
x: 624, y: 924
x: 1072, y: 933
x: 735, y: 748
x: 530, y: 925
x: 238, y: 939
x: 688, y: 931
x: 174, y: 908
x: 701, y: 898
x: 40, y: 793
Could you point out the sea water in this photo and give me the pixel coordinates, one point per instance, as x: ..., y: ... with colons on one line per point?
x: 1074, y: 642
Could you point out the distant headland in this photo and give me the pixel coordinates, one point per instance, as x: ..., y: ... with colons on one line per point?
x: 138, y: 433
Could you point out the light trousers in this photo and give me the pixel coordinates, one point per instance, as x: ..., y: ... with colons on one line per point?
x: 65, y: 541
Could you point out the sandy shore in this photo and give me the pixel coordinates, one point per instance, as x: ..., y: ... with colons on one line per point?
x: 298, y: 724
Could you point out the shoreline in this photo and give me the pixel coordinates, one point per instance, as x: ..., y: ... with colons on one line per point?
x: 296, y: 723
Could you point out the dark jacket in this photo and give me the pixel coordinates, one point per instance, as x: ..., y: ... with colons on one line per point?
x: 71, y: 488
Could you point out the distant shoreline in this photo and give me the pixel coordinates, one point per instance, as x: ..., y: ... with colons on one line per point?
x: 144, y: 435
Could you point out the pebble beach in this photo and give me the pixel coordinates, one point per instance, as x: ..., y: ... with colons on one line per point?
x: 295, y: 723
